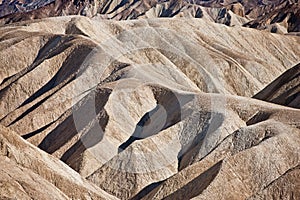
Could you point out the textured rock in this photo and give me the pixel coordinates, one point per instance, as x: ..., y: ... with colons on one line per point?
x: 281, y: 19
x: 285, y: 90
x: 279, y: 16
x: 139, y: 110
x: 248, y: 161
x: 27, y: 172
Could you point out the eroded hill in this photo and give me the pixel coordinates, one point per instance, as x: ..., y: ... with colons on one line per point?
x: 153, y: 109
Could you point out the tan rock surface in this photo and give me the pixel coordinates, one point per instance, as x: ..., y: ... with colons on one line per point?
x: 149, y: 108
x: 248, y: 161
x: 27, y: 172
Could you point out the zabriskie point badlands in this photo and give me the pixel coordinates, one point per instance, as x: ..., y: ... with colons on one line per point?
x: 150, y: 99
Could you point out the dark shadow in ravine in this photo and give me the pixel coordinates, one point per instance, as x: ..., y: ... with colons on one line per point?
x: 69, y: 70
x: 146, y: 190
x: 167, y: 112
x: 52, y: 48
x: 64, y: 76
x: 197, y: 185
x: 205, y: 124
x: 81, y: 118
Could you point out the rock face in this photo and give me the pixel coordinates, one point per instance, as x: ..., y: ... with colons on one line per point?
x: 27, y: 172
x: 148, y: 109
x: 284, y: 90
x: 282, y: 19
x: 12, y: 11
x: 279, y: 16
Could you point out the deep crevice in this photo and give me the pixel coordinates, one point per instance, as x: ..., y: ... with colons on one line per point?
x: 197, y: 185
x: 146, y: 190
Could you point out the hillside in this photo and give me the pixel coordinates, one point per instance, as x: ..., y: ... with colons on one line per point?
x: 157, y: 108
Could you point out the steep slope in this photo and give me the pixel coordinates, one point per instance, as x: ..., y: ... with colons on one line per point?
x: 135, y: 106
x: 27, y: 172
x: 282, y: 19
x: 285, y: 90
x: 250, y: 163
x: 229, y: 15
x: 184, y: 146
x: 280, y: 16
